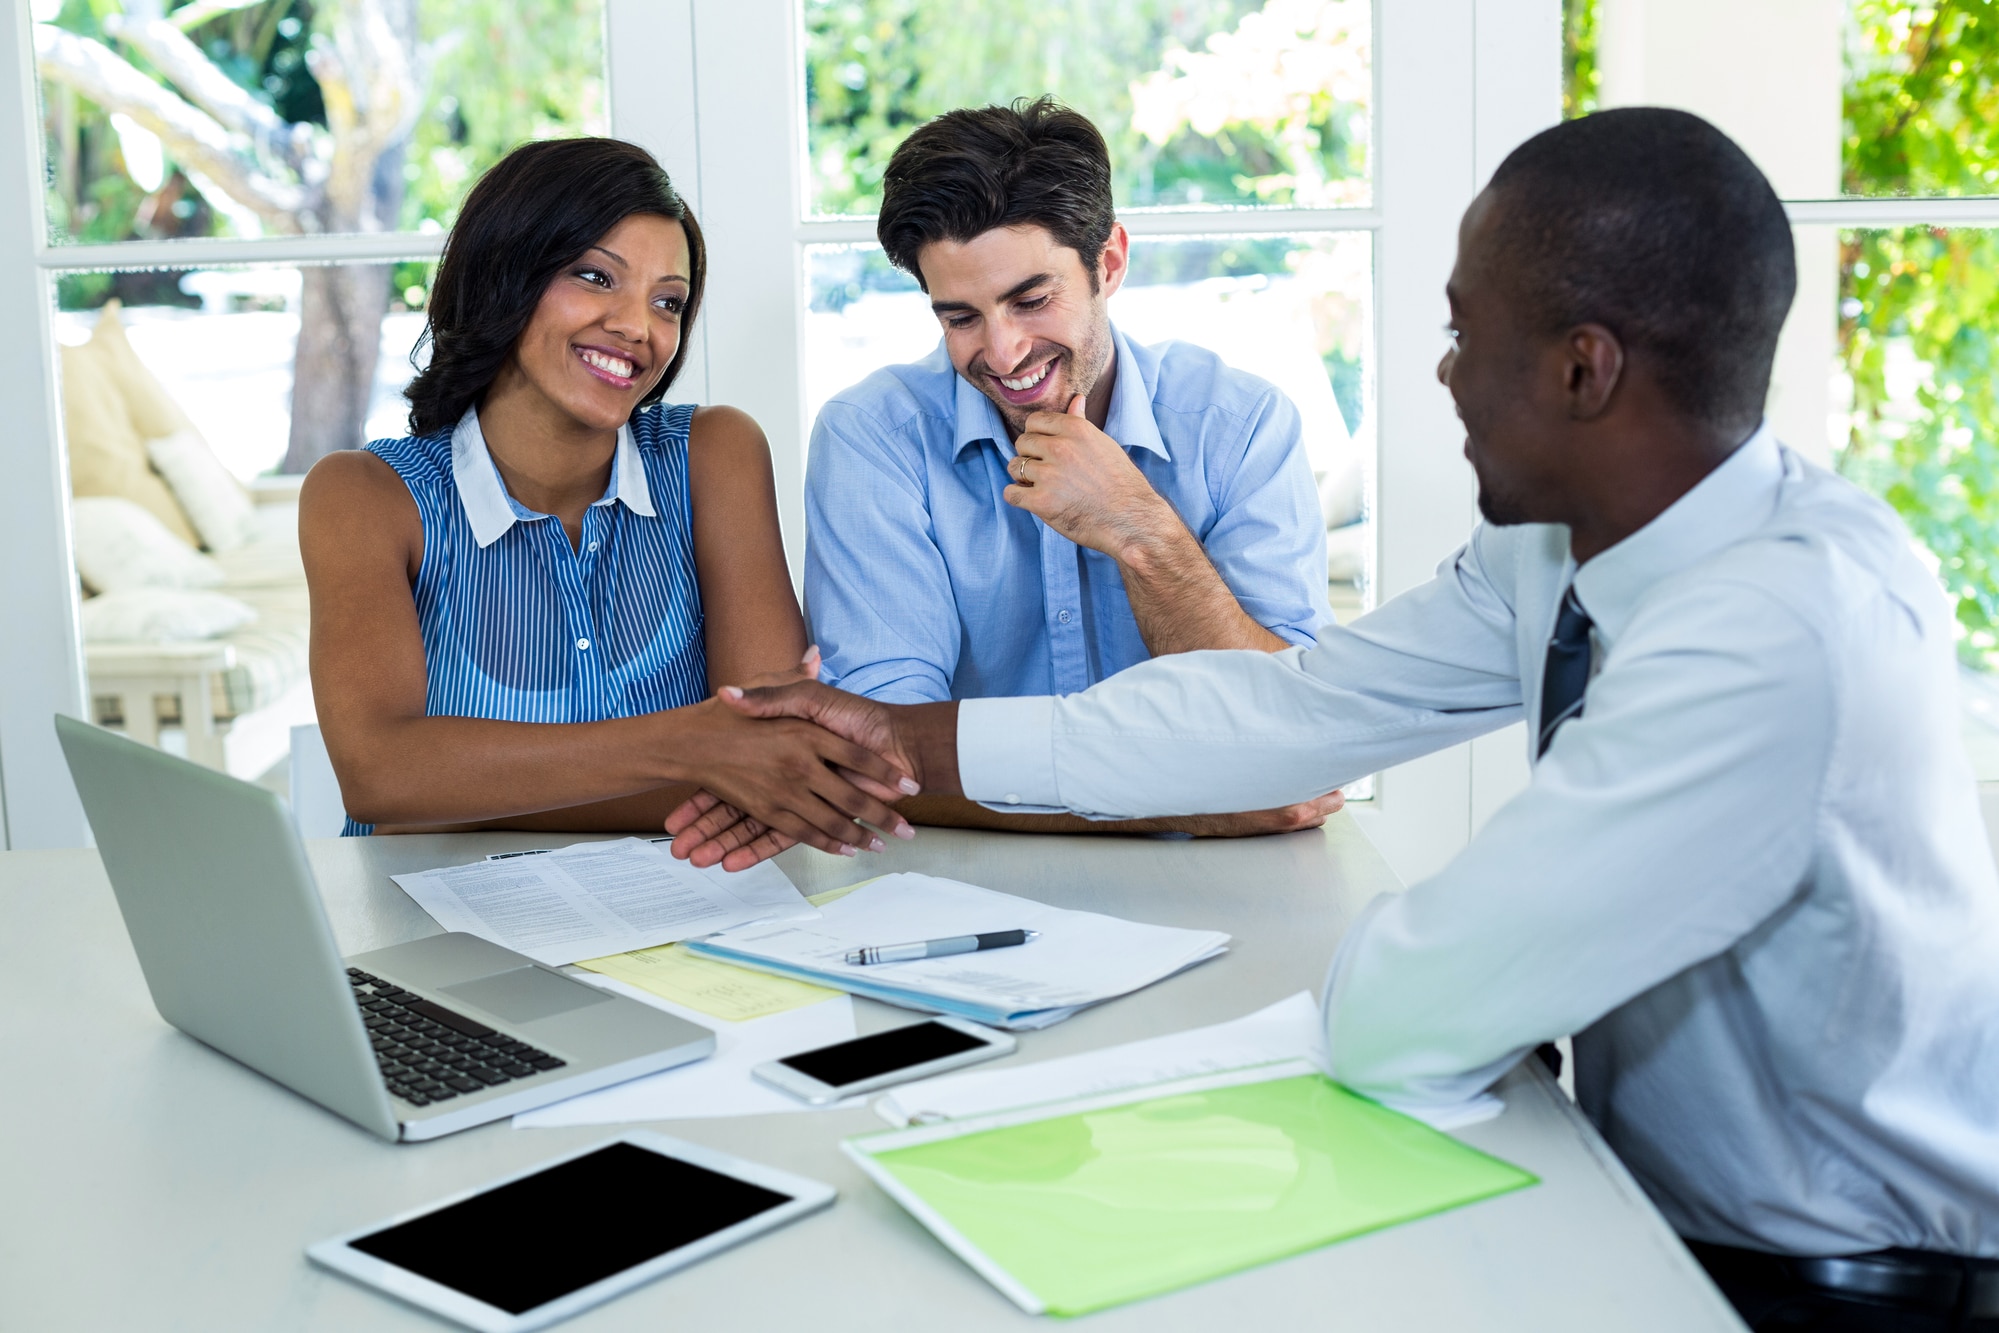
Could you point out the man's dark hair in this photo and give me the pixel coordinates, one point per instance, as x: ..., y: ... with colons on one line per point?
x: 969, y: 171
x: 1656, y: 225
x: 537, y: 210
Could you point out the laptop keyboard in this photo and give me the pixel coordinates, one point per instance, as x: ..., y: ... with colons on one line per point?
x: 428, y: 1053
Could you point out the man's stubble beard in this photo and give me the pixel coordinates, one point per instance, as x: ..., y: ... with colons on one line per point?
x: 1094, y: 351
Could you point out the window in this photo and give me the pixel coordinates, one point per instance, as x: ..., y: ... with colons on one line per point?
x: 242, y: 201
x: 1879, y: 129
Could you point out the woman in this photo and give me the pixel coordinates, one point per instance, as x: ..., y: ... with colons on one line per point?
x: 517, y: 609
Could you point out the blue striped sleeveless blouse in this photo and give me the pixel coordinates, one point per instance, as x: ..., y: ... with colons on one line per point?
x: 519, y: 626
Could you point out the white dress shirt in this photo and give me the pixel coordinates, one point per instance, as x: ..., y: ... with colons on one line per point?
x: 1751, y: 877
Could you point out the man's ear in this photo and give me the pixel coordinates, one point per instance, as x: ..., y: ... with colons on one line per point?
x: 1115, y: 262
x: 1592, y: 365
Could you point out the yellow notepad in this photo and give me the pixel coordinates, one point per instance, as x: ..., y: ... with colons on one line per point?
x: 710, y: 986
x: 1072, y: 1208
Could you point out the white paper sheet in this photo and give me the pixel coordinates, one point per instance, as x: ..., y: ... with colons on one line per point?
x: 592, y: 899
x: 717, y: 1086
x: 1081, y: 957
x: 1291, y: 1029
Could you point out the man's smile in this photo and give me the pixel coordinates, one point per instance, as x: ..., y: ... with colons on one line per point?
x: 1025, y: 388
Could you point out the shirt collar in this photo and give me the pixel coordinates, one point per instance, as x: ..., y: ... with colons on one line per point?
x: 491, y: 511
x: 1130, y: 421
x: 1728, y: 504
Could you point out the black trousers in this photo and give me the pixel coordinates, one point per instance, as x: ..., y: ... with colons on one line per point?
x: 1771, y: 1300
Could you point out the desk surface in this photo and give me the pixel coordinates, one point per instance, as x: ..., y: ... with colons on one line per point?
x: 151, y: 1183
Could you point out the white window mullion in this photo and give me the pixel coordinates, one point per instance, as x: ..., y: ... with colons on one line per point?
x: 749, y: 110
x: 41, y: 649
x: 650, y: 67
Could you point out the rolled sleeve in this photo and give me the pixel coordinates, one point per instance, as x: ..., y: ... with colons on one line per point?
x: 1268, y: 541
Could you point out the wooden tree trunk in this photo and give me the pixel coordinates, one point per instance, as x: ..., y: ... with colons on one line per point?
x: 333, y: 376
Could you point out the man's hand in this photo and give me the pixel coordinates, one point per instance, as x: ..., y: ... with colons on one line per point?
x: 1289, y: 819
x: 1080, y: 482
x: 791, y: 778
x: 708, y: 830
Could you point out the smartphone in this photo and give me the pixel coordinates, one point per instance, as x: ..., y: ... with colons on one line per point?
x: 538, y: 1246
x: 866, y: 1064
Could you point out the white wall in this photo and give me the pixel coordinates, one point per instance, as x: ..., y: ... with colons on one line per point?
x: 1713, y: 58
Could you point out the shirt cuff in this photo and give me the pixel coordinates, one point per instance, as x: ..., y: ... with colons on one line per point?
x: 1006, y: 753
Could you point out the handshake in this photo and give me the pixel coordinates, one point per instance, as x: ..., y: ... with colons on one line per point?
x: 801, y: 762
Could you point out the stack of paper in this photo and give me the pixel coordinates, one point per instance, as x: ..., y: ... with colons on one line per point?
x: 1289, y: 1030
x: 1082, y: 958
x: 597, y: 898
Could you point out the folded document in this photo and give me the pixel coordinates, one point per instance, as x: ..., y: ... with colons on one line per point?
x: 596, y: 898
x: 1082, y: 958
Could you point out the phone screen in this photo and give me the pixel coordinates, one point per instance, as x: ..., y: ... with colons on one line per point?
x: 883, y: 1053
x: 528, y: 1242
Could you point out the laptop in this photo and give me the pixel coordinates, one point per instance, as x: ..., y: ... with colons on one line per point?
x: 413, y: 1041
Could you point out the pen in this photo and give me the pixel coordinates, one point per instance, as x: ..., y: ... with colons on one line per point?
x: 903, y: 953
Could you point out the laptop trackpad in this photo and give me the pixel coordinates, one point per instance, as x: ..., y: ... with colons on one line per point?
x: 526, y: 993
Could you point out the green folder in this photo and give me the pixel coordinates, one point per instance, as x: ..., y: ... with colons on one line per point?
x: 1072, y: 1208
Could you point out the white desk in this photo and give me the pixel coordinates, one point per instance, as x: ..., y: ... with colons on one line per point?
x: 149, y: 1183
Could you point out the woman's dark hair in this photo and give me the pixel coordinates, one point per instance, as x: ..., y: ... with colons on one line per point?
x: 537, y: 210
x: 969, y: 171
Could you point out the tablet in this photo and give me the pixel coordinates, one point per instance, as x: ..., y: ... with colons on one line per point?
x: 538, y: 1246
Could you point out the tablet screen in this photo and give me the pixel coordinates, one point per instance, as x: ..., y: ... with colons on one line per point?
x: 536, y: 1239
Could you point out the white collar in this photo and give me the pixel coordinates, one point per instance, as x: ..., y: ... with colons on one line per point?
x: 491, y: 511
x: 1727, y: 505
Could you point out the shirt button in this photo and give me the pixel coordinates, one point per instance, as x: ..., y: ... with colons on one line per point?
x: 1013, y: 798
x: 591, y: 547
x: 582, y: 645
x: 1063, y: 615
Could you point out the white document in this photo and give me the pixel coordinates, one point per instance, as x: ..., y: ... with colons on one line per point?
x: 717, y: 1086
x: 594, y: 898
x: 1291, y: 1029
x: 1081, y: 957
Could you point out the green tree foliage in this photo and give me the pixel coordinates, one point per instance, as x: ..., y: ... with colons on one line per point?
x: 1920, y: 306
x: 501, y: 72
x: 875, y: 69
x: 1579, y: 74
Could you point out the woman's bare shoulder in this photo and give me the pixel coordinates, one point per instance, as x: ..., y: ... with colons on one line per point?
x: 354, y: 493
x: 726, y: 429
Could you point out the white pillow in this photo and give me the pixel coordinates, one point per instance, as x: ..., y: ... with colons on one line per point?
x: 215, y: 501
x: 161, y: 615
x: 120, y: 545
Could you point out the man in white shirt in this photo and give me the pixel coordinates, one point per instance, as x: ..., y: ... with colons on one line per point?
x: 1749, y: 874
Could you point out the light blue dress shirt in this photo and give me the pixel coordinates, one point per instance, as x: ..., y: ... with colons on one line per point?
x: 1751, y: 877
x: 923, y: 584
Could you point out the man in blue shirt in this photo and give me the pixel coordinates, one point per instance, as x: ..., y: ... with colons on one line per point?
x: 1041, y: 502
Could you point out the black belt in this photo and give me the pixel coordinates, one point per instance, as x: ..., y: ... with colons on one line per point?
x: 1909, y: 1279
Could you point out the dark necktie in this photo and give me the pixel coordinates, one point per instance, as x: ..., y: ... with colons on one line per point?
x: 1567, y: 672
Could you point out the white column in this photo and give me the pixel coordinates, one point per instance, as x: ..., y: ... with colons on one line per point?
x: 1425, y: 176
x: 649, y: 64
x: 1714, y: 58
x: 41, y: 654
x: 750, y: 107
